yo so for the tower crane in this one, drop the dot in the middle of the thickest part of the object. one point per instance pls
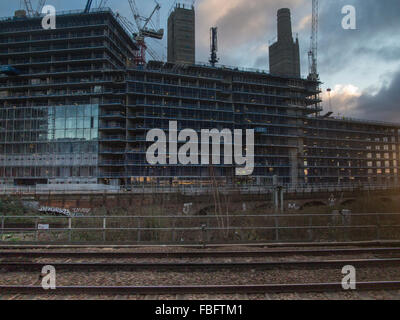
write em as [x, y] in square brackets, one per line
[143, 31]
[40, 6]
[131, 28]
[88, 6]
[102, 3]
[313, 53]
[29, 9]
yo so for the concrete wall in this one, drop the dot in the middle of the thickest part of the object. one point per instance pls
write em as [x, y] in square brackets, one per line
[284, 55]
[181, 36]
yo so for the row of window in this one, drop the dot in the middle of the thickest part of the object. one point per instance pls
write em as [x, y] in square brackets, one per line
[60, 147]
[32, 172]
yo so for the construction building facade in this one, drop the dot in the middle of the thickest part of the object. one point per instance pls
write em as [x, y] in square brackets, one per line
[75, 110]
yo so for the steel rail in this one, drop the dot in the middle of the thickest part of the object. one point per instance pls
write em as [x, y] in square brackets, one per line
[195, 254]
[200, 289]
[189, 266]
[195, 245]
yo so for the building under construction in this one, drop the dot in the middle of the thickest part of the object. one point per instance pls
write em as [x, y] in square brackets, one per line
[75, 110]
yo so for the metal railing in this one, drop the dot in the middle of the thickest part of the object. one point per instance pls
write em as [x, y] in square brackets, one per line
[193, 189]
[202, 229]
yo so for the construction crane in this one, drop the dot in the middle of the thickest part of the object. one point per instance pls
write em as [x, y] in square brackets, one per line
[144, 32]
[313, 53]
[102, 4]
[88, 6]
[132, 29]
[40, 6]
[29, 9]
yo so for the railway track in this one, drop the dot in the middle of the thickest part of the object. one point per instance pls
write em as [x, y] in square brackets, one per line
[196, 254]
[60, 245]
[199, 289]
[190, 266]
[227, 276]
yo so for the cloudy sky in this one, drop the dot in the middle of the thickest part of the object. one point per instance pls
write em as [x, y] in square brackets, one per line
[362, 66]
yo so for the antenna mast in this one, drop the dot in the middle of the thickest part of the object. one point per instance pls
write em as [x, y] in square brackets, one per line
[214, 45]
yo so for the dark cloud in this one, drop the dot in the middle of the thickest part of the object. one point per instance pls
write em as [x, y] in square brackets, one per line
[243, 27]
[349, 54]
[387, 53]
[251, 21]
[377, 28]
[385, 105]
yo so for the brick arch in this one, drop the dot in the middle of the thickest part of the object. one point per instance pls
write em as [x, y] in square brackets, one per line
[348, 201]
[205, 211]
[313, 203]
